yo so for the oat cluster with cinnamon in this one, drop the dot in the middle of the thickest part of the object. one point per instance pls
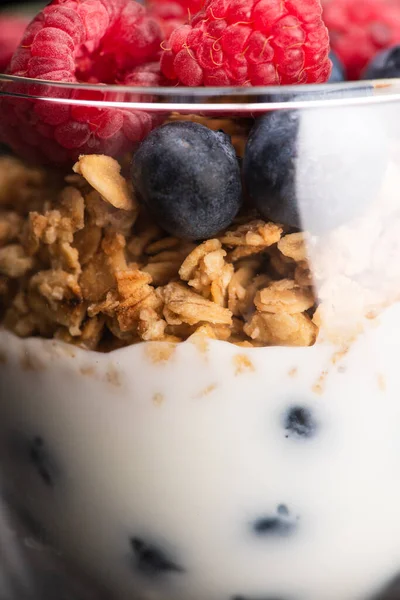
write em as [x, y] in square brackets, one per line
[82, 261]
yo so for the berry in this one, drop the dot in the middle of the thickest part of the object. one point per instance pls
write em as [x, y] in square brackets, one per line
[299, 422]
[171, 15]
[147, 75]
[384, 65]
[151, 560]
[337, 73]
[316, 169]
[11, 31]
[41, 460]
[281, 524]
[95, 41]
[250, 42]
[359, 29]
[189, 178]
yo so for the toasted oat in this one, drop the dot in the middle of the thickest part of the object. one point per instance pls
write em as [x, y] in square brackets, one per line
[294, 246]
[184, 306]
[282, 329]
[105, 215]
[190, 264]
[151, 326]
[284, 296]
[256, 233]
[55, 295]
[103, 174]
[207, 272]
[14, 262]
[162, 272]
[243, 287]
[87, 242]
[10, 227]
[136, 295]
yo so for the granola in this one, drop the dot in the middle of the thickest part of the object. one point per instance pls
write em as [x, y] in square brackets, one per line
[82, 261]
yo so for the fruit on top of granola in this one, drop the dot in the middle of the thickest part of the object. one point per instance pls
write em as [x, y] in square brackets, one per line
[95, 41]
[288, 162]
[87, 41]
[384, 65]
[359, 29]
[252, 42]
[189, 178]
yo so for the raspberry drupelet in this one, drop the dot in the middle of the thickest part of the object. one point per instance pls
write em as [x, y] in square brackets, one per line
[250, 42]
[94, 41]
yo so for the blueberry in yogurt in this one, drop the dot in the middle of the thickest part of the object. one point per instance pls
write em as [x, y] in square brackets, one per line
[42, 461]
[299, 422]
[188, 176]
[151, 560]
[279, 524]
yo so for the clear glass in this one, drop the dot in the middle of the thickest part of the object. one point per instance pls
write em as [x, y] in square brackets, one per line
[178, 453]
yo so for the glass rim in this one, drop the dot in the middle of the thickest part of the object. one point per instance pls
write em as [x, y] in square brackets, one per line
[210, 99]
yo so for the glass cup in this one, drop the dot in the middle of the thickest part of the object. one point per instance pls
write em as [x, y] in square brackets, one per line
[211, 417]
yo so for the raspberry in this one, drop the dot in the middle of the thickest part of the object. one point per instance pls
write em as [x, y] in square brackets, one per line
[171, 15]
[359, 29]
[250, 42]
[11, 31]
[95, 41]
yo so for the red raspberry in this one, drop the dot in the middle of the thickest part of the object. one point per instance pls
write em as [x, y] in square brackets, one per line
[361, 28]
[172, 14]
[169, 15]
[250, 42]
[11, 31]
[79, 41]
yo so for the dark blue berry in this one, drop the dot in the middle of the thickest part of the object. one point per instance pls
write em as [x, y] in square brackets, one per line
[281, 524]
[318, 168]
[391, 591]
[151, 560]
[337, 73]
[299, 422]
[42, 460]
[189, 178]
[385, 65]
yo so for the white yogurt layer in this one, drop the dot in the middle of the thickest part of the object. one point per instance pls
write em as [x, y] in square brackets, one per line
[175, 473]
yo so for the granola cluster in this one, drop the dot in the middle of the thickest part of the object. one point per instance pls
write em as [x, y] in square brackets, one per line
[81, 261]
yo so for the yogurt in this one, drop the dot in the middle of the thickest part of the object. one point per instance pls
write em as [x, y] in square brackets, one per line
[207, 471]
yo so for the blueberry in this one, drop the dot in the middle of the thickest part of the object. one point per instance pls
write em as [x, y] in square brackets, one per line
[42, 461]
[189, 178]
[151, 560]
[315, 168]
[385, 65]
[337, 73]
[299, 422]
[281, 524]
[391, 591]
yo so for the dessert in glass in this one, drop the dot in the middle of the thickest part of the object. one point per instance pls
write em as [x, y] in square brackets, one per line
[199, 308]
